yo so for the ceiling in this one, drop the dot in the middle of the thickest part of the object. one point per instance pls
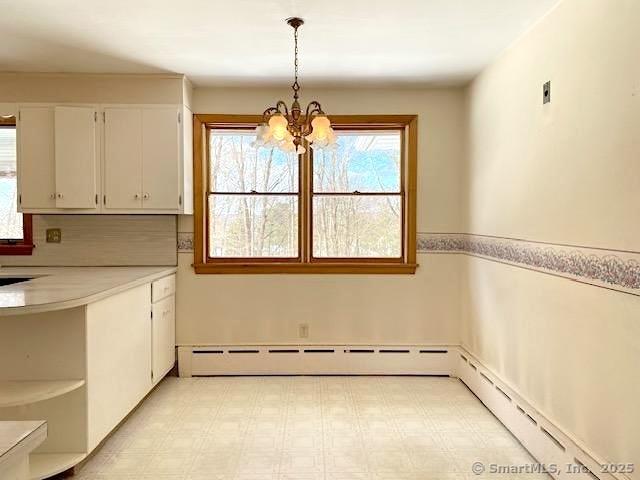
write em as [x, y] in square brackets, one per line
[246, 42]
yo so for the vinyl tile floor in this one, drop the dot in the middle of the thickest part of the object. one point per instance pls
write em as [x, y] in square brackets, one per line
[307, 428]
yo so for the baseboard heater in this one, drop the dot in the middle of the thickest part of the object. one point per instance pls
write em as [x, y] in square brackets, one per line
[316, 360]
[546, 442]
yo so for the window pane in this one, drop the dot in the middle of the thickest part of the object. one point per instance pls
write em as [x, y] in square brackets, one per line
[253, 226]
[363, 161]
[357, 226]
[238, 167]
[10, 219]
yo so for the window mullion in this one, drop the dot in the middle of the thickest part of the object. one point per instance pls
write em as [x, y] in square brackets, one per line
[306, 171]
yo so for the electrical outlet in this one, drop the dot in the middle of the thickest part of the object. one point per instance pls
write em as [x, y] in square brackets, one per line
[303, 330]
[546, 93]
[54, 235]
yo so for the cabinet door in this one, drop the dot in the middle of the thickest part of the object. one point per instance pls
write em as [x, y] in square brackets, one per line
[161, 158]
[75, 157]
[36, 167]
[118, 356]
[163, 334]
[123, 158]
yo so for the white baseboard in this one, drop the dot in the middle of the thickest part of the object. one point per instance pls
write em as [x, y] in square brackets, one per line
[546, 442]
[540, 436]
[316, 360]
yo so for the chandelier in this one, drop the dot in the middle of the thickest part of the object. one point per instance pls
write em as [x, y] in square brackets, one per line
[285, 128]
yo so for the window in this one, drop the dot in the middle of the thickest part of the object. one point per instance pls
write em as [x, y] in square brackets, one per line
[351, 210]
[253, 199]
[356, 206]
[15, 228]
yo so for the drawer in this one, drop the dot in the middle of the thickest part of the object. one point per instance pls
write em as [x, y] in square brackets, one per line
[163, 288]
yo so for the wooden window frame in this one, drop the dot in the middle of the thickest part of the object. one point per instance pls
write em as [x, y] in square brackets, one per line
[25, 245]
[305, 263]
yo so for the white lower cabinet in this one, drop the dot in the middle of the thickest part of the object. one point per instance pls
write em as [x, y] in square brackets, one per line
[84, 369]
[163, 326]
[118, 359]
[163, 334]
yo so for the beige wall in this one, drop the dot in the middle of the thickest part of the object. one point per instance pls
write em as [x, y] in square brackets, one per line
[567, 172]
[418, 309]
[88, 88]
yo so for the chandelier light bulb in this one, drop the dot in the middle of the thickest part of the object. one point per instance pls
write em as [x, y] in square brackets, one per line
[321, 127]
[278, 126]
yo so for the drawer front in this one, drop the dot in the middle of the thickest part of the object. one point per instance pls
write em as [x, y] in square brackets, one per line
[163, 288]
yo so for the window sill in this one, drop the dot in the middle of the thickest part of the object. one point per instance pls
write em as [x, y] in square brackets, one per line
[307, 268]
[16, 249]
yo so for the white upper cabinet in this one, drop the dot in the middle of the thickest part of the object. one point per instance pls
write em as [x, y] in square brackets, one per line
[36, 164]
[144, 161]
[75, 157]
[105, 159]
[57, 159]
[122, 158]
[161, 167]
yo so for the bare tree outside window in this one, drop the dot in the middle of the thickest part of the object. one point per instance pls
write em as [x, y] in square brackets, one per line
[253, 200]
[357, 197]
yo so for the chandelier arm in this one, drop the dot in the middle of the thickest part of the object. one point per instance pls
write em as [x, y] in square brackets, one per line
[313, 108]
[282, 108]
[268, 113]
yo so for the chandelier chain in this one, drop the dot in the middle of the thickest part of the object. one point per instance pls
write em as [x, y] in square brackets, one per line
[296, 85]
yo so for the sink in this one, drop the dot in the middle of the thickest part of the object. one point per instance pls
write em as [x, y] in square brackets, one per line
[4, 281]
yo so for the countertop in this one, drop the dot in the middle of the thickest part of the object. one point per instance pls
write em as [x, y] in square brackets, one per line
[20, 438]
[57, 288]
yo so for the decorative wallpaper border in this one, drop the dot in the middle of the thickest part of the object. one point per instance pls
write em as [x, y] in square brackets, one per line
[613, 269]
[185, 242]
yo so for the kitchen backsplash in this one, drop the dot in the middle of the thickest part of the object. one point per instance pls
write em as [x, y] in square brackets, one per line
[102, 240]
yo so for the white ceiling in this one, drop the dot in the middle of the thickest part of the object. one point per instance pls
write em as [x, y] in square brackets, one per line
[246, 42]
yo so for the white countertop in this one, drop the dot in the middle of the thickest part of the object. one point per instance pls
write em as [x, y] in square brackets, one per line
[20, 438]
[57, 288]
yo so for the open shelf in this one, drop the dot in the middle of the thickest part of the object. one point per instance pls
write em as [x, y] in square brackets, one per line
[44, 465]
[23, 392]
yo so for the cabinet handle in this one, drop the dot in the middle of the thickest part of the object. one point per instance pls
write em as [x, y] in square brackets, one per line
[137, 196]
[52, 196]
[146, 196]
[60, 195]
